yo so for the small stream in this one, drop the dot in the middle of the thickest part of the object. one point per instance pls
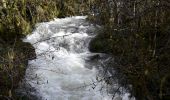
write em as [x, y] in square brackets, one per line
[64, 68]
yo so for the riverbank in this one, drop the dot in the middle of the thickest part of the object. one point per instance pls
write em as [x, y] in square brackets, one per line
[139, 44]
[14, 59]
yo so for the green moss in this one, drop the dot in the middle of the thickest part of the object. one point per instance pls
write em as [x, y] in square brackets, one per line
[19, 16]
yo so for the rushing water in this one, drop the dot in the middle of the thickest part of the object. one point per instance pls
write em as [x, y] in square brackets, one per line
[62, 69]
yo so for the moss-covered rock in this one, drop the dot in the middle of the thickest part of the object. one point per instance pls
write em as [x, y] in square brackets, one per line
[100, 45]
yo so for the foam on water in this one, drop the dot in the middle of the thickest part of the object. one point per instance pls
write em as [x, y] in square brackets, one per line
[59, 72]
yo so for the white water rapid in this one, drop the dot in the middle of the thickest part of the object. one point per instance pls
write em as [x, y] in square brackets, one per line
[60, 71]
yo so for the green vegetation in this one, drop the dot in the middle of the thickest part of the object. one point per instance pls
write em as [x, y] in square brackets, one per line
[137, 34]
[18, 17]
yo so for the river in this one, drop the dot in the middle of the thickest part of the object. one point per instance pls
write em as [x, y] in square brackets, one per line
[64, 68]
